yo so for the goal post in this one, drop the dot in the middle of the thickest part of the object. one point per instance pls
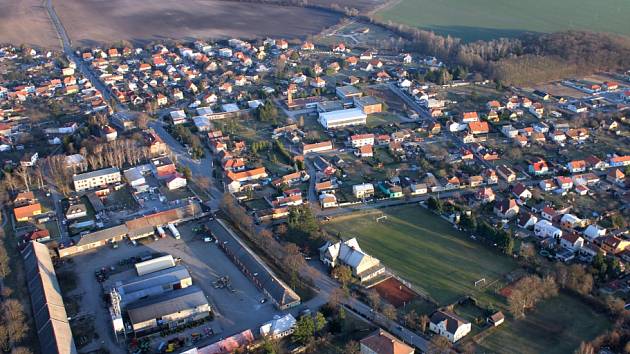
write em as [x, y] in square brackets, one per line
[480, 282]
[379, 218]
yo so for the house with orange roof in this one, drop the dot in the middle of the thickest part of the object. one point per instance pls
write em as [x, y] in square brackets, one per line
[576, 166]
[468, 117]
[249, 175]
[317, 147]
[618, 161]
[364, 151]
[27, 212]
[616, 176]
[381, 342]
[478, 127]
[539, 167]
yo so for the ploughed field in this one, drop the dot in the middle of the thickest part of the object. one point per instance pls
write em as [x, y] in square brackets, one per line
[97, 21]
[26, 22]
[488, 19]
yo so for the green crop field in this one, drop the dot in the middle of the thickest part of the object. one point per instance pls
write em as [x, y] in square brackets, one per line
[556, 326]
[488, 19]
[426, 251]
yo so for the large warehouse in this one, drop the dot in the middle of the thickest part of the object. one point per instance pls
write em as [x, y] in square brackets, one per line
[342, 118]
[171, 309]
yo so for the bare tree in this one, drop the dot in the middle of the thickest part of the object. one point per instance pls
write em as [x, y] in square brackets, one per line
[585, 348]
[439, 345]
[389, 311]
[374, 299]
[424, 322]
[25, 175]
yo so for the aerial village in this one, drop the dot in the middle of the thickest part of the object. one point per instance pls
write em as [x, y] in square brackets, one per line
[198, 198]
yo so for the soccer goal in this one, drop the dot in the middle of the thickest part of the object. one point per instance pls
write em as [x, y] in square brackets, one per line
[480, 282]
[381, 218]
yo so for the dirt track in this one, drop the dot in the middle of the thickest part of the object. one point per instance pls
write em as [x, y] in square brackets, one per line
[90, 21]
[26, 22]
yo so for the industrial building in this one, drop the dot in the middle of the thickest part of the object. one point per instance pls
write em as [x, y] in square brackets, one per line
[49, 312]
[154, 265]
[169, 310]
[154, 284]
[342, 118]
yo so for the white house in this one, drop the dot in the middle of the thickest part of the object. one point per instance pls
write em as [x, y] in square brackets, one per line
[594, 231]
[572, 242]
[571, 221]
[365, 190]
[176, 182]
[279, 327]
[364, 266]
[545, 229]
[449, 325]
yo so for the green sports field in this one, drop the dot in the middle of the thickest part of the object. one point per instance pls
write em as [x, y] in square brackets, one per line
[487, 19]
[426, 250]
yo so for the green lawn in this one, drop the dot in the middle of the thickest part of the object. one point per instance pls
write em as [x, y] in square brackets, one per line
[427, 251]
[557, 325]
[488, 19]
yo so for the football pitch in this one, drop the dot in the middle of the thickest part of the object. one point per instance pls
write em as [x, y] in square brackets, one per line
[488, 19]
[427, 251]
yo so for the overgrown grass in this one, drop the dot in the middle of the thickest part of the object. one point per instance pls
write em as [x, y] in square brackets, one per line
[557, 325]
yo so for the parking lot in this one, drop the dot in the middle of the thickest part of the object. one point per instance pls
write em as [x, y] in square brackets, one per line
[236, 307]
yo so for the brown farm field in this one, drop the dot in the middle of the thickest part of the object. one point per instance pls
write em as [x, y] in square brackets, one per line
[103, 21]
[26, 22]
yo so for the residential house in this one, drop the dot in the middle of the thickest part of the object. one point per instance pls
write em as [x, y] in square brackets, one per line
[612, 244]
[418, 188]
[616, 176]
[576, 166]
[549, 213]
[594, 231]
[365, 151]
[506, 208]
[381, 342]
[490, 176]
[76, 211]
[521, 192]
[359, 140]
[564, 182]
[279, 327]
[327, 200]
[449, 325]
[317, 147]
[570, 221]
[485, 195]
[361, 191]
[506, 173]
[539, 167]
[478, 127]
[545, 229]
[27, 212]
[469, 117]
[547, 185]
[391, 190]
[572, 241]
[526, 220]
